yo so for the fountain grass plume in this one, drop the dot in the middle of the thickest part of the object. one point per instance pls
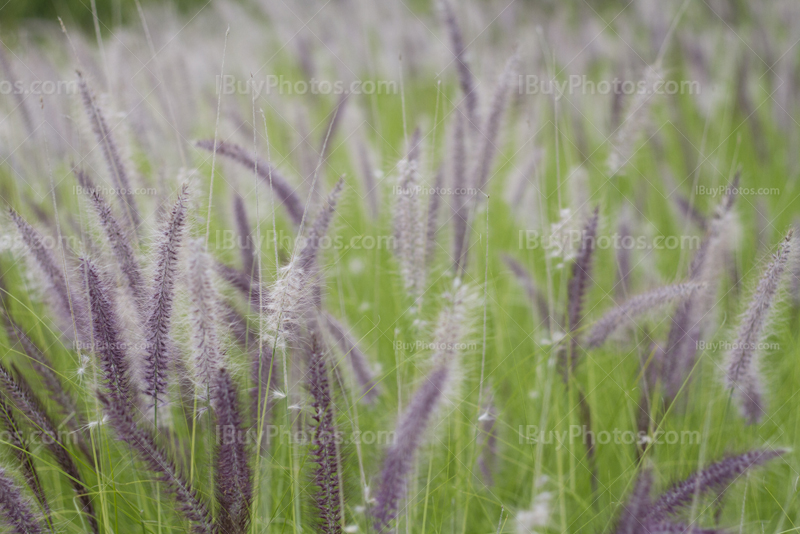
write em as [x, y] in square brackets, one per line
[296, 289]
[634, 509]
[632, 309]
[461, 200]
[17, 392]
[465, 77]
[323, 445]
[65, 303]
[578, 286]
[245, 238]
[143, 442]
[358, 360]
[285, 192]
[15, 509]
[742, 369]
[23, 455]
[233, 478]
[108, 345]
[409, 433]
[714, 478]
[409, 225]
[686, 329]
[206, 350]
[159, 316]
[494, 120]
[453, 324]
[449, 335]
[116, 169]
[42, 364]
[307, 257]
[292, 297]
[117, 238]
[434, 204]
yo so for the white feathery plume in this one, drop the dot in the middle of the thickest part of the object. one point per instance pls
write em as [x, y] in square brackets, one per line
[409, 223]
[742, 375]
[205, 340]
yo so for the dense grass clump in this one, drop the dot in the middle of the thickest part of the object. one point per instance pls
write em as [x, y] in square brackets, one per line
[387, 267]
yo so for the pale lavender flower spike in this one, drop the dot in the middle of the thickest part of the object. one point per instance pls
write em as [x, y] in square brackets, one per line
[67, 303]
[630, 310]
[408, 437]
[493, 123]
[641, 515]
[578, 286]
[307, 258]
[409, 226]
[461, 200]
[465, 77]
[116, 169]
[117, 238]
[743, 376]
[715, 477]
[433, 218]
[204, 317]
[450, 332]
[678, 357]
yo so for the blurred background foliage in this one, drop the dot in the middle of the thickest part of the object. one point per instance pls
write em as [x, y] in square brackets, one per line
[78, 13]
